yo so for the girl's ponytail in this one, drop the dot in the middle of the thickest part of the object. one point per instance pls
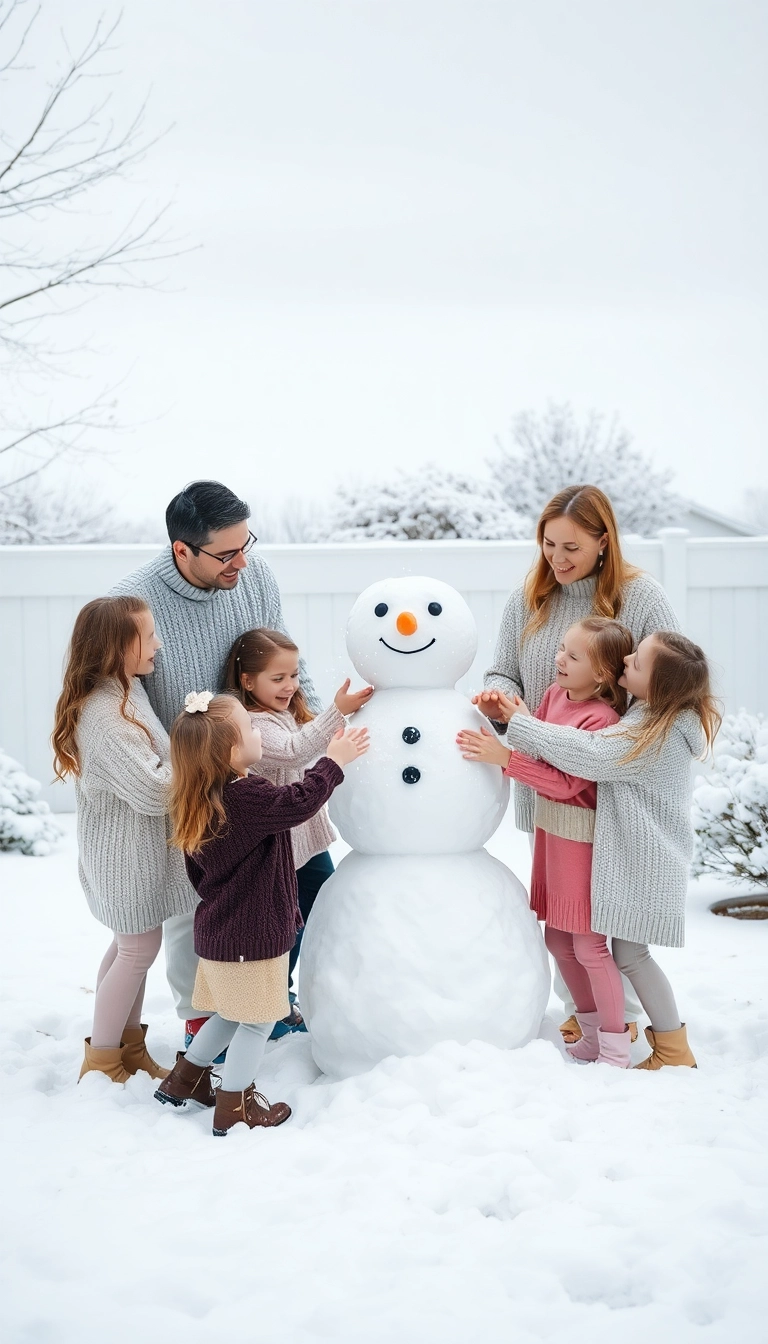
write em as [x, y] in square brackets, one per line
[679, 680]
[201, 764]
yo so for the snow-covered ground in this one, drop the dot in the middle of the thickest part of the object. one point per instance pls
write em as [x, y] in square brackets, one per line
[468, 1194]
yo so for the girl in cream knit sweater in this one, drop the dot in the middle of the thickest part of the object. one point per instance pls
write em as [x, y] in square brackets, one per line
[263, 671]
[108, 737]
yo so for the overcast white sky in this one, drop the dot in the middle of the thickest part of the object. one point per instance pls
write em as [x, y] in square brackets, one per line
[418, 217]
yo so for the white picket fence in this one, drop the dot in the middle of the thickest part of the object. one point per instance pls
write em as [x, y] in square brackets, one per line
[718, 585]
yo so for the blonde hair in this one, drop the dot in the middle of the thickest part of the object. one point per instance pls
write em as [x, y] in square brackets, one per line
[608, 644]
[201, 764]
[592, 510]
[679, 680]
[103, 633]
[251, 654]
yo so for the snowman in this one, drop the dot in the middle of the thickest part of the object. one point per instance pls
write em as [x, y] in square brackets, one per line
[420, 936]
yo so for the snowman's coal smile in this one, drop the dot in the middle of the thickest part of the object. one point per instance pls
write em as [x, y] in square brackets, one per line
[394, 650]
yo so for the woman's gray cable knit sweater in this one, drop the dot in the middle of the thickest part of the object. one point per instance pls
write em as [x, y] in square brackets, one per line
[527, 667]
[643, 834]
[131, 878]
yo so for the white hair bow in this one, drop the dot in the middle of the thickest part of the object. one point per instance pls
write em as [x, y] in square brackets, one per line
[197, 702]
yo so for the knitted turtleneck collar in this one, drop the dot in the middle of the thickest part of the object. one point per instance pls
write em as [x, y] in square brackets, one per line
[579, 589]
[166, 568]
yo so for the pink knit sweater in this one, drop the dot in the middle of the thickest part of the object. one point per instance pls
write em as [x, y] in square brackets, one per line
[288, 750]
[564, 818]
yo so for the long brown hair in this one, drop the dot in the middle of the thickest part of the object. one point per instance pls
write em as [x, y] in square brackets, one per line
[679, 680]
[201, 764]
[104, 631]
[589, 508]
[251, 654]
[608, 644]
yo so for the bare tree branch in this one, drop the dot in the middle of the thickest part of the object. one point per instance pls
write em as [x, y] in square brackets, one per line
[71, 147]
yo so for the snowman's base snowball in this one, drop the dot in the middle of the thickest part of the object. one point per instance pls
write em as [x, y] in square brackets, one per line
[402, 952]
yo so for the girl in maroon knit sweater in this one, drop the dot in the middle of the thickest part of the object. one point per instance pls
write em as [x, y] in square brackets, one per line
[235, 831]
[585, 695]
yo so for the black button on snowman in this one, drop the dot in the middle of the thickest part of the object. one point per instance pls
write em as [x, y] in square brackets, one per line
[411, 773]
[418, 907]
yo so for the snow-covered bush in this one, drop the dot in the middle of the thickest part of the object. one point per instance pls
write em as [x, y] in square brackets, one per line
[26, 824]
[730, 805]
[425, 505]
[548, 453]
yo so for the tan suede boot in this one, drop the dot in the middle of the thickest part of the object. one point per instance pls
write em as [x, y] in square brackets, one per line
[248, 1107]
[104, 1061]
[668, 1047]
[570, 1030]
[136, 1055]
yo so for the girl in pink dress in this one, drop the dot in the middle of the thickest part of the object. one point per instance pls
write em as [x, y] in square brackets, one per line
[586, 695]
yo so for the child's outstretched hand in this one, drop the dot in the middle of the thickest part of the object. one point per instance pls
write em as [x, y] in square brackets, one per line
[496, 705]
[519, 707]
[347, 746]
[348, 702]
[483, 746]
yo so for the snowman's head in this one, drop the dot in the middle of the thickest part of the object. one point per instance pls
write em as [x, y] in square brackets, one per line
[411, 632]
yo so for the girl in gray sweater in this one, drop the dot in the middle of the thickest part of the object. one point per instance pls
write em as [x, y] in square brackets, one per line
[107, 736]
[643, 835]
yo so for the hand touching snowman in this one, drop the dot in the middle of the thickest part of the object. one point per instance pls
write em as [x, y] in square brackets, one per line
[486, 746]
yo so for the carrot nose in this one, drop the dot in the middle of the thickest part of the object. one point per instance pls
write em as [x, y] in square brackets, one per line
[407, 623]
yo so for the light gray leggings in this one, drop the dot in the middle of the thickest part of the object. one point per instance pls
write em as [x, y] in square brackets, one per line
[245, 1043]
[649, 983]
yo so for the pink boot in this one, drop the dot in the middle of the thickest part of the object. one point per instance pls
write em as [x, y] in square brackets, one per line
[587, 1049]
[614, 1048]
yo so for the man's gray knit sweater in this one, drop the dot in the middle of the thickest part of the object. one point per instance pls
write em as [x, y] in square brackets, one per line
[643, 834]
[198, 627]
[526, 666]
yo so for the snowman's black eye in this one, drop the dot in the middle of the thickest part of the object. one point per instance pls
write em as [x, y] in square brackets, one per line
[434, 608]
[381, 609]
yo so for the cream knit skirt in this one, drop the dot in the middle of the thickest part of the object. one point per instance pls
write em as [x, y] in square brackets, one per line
[243, 991]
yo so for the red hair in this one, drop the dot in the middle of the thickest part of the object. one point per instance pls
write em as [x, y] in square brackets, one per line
[590, 509]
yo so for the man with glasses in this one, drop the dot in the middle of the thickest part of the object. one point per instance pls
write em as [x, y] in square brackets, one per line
[204, 590]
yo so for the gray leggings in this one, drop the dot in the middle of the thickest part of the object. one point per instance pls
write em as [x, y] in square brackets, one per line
[245, 1043]
[649, 983]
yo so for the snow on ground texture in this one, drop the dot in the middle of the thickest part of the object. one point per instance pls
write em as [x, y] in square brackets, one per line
[466, 1195]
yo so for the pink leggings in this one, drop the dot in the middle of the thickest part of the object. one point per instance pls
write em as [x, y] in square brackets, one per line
[120, 985]
[592, 976]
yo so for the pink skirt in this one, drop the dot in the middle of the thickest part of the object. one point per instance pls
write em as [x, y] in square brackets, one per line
[561, 880]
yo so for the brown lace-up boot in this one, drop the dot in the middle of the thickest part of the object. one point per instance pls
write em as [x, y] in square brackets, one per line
[187, 1082]
[249, 1108]
[136, 1055]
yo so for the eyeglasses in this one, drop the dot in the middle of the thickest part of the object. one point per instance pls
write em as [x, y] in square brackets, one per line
[228, 556]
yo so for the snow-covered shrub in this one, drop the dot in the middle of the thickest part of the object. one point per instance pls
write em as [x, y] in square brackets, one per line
[730, 805]
[425, 505]
[25, 823]
[548, 453]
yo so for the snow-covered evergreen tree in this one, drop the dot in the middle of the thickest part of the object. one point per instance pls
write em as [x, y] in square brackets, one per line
[26, 823]
[425, 505]
[730, 806]
[548, 453]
